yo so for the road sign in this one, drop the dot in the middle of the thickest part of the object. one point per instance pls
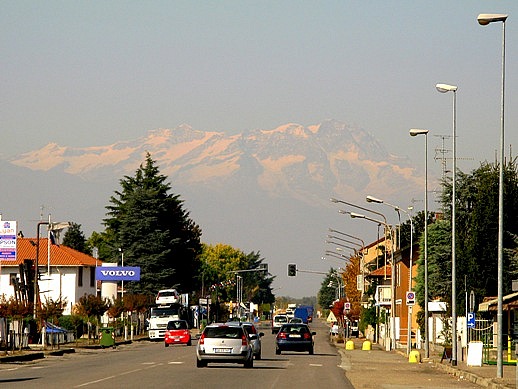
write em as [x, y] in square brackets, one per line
[410, 298]
[471, 319]
[347, 306]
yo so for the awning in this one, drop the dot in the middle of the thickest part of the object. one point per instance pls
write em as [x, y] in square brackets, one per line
[511, 300]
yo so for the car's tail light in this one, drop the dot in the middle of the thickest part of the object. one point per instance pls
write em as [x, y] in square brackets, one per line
[281, 335]
[244, 341]
[202, 339]
[307, 335]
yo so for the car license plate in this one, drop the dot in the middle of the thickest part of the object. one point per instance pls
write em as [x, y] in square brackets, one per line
[176, 337]
[295, 336]
[223, 350]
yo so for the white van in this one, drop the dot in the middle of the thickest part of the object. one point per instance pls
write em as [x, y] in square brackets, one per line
[167, 296]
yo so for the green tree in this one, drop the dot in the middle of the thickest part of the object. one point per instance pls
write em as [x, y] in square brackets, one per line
[75, 238]
[91, 307]
[217, 272]
[154, 232]
[326, 294]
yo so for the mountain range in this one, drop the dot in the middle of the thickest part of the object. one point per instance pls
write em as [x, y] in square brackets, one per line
[265, 190]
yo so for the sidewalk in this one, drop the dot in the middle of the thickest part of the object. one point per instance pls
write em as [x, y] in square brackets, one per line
[363, 370]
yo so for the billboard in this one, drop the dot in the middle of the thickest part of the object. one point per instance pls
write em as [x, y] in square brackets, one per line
[127, 273]
[8, 240]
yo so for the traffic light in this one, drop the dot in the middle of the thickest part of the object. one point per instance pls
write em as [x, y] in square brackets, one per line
[292, 269]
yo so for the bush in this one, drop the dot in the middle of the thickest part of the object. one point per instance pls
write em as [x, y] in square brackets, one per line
[72, 323]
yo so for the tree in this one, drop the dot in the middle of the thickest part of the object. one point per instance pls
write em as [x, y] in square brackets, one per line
[154, 232]
[326, 294]
[74, 238]
[91, 307]
[218, 266]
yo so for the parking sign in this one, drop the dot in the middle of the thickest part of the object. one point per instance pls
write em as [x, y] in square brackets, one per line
[471, 319]
[410, 298]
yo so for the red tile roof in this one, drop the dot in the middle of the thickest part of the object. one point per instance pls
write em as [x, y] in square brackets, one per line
[381, 271]
[59, 255]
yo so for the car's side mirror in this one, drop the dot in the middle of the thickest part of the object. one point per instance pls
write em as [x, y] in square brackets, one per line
[313, 333]
[252, 336]
[261, 333]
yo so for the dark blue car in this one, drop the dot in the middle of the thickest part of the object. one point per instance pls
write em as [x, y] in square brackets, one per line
[294, 337]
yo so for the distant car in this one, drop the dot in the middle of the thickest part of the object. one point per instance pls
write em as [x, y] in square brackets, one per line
[277, 322]
[296, 320]
[255, 340]
[167, 296]
[354, 328]
[177, 332]
[294, 337]
[225, 343]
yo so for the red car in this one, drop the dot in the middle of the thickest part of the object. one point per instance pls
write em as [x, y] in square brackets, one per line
[177, 333]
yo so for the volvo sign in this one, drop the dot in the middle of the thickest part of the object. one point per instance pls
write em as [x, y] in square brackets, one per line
[105, 273]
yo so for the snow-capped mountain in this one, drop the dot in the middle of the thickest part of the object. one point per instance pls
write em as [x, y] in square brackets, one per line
[266, 190]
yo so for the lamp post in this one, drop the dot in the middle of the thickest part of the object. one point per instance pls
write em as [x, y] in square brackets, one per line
[372, 199]
[392, 276]
[485, 19]
[416, 132]
[445, 88]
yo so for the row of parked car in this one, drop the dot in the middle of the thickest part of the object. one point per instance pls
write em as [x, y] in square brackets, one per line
[238, 342]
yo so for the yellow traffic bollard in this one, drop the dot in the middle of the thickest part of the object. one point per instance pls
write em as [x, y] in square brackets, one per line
[366, 345]
[349, 345]
[414, 357]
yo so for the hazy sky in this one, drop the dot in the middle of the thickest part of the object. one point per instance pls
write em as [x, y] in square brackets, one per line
[86, 73]
[83, 73]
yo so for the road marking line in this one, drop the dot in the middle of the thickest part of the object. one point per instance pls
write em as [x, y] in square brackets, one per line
[175, 363]
[316, 364]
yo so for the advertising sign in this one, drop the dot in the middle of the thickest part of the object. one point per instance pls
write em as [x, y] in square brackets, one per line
[8, 240]
[127, 273]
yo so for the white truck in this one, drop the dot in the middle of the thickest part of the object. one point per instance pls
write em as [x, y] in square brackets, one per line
[161, 315]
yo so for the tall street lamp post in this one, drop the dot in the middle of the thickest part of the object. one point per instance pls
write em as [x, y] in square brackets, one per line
[392, 276]
[372, 199]
[445, 88]
[416, 132]
[485, 19]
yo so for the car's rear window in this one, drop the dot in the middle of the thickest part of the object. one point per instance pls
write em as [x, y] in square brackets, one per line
[223, 332]
[177, 325]
[295, 329]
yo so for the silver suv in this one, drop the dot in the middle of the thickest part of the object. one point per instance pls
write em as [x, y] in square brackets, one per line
[225, 343]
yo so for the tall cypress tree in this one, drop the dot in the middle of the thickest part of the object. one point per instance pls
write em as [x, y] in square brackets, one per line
[154, 232]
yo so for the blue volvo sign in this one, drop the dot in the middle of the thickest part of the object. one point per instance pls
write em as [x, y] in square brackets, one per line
[105, 273]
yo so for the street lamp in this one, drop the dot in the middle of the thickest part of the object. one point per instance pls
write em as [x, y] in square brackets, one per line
[416, 132]
[372, 199]
[485, 19]
[445, 88]
[392, 276]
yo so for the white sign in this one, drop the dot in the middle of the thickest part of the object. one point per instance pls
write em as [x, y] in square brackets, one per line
[347, 306]
[8, 240]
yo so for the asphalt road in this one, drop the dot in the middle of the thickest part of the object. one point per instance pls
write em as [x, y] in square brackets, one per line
[151, 365]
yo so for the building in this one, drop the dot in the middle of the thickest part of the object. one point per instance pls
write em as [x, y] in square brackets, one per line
[64, 273]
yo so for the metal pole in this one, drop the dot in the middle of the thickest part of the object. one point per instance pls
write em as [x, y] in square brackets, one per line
[409, 308]
[500, 327]
[453, 251]
[427, 332]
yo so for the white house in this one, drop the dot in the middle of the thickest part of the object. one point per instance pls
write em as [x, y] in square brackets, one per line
[64, 272]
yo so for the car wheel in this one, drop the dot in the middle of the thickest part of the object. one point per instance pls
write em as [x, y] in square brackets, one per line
[311, 351]
[189, 343]
[166, 344]
[278, 351]
[201, 363]
[258, 356]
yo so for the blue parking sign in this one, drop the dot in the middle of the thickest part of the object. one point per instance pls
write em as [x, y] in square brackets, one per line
[471, 319]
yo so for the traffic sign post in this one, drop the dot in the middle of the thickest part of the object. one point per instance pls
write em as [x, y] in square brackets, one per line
[410, 298]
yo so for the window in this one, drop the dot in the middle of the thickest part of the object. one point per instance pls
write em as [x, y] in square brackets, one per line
[79, 276]
[92, 276]
[12, 278]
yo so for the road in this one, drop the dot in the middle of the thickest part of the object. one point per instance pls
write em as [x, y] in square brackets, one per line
[148, 364]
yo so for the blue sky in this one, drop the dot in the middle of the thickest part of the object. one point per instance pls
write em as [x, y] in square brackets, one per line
[83, 73]
[86, 73]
